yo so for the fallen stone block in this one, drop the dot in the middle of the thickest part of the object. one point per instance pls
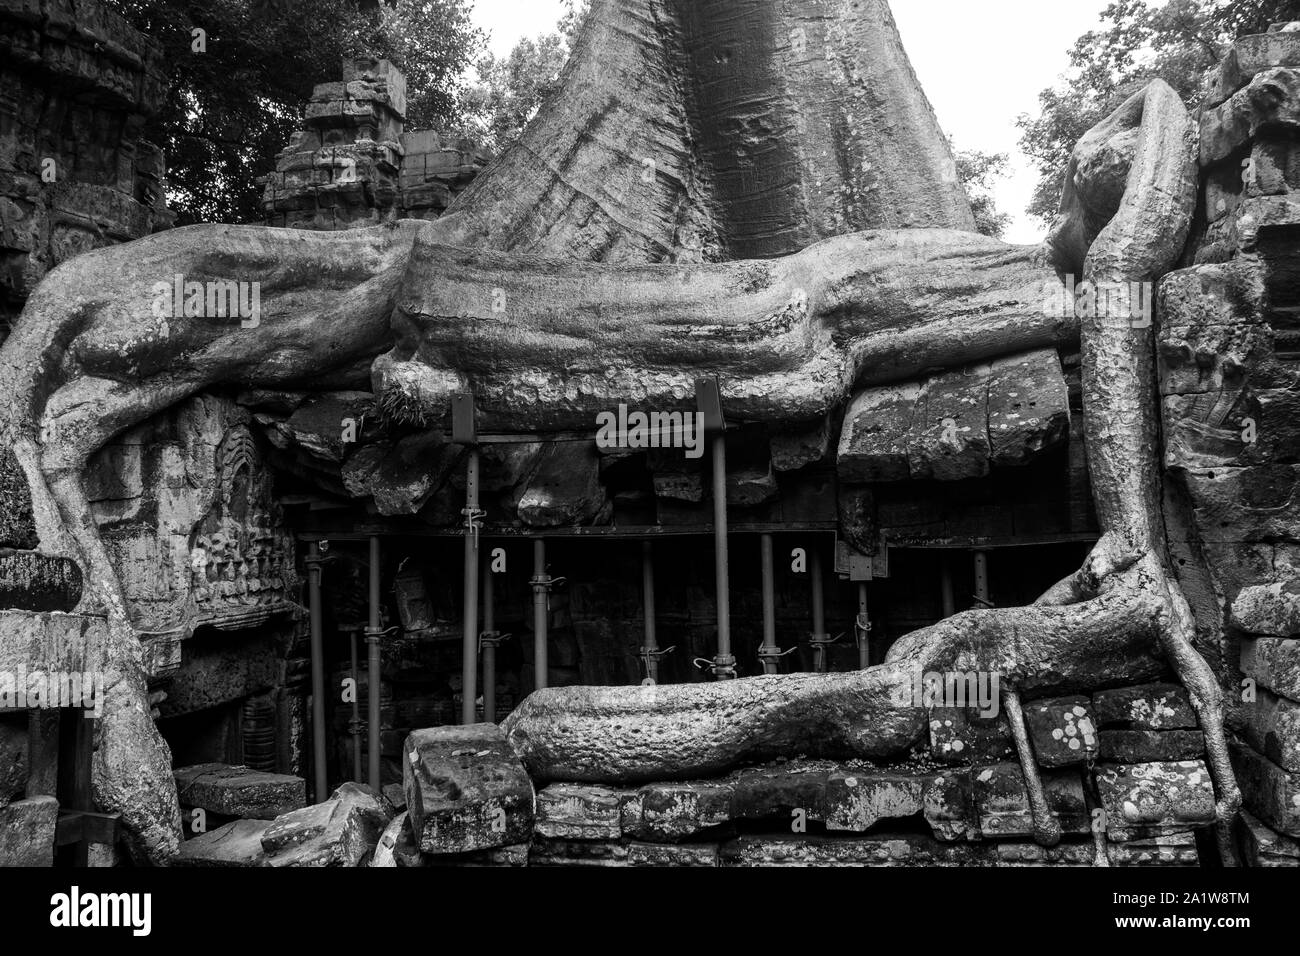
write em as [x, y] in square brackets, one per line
[672, 854]
[1003, 803]
[236, 844]
[466, 790]
[1154, 799]
[27, 832]
[1273, 728]
[1268, 791]
[1147, 707]
[397, 845]
[1149, 746]
[1270, 610]
[239, 792]
[571, 811]
[342, 831]
[1273, 663]
[1062, 731]
[857, 800]
[675, 811]
[1264, 846]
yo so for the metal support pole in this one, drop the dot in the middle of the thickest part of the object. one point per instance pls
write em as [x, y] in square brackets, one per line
[724, 663]
[982, 578]
[489, 643]
[945, 570]
[374, 678]
[768, 653]
[469, 604]
[313, 562]
[354, 725]
[820, 639]
[650, 649]
[541, 612]
[863, 628]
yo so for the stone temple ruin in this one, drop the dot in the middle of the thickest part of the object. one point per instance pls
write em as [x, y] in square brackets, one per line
[689, 485]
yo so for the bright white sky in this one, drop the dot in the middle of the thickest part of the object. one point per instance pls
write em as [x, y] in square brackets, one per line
[980, 63]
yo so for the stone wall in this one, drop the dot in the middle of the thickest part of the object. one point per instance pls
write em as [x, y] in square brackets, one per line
[353, 165]
[1230, 389]
[79, 83]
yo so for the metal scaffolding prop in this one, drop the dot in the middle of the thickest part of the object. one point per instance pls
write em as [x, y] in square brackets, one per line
[651, 654]
[708, 398]
[488, 642]
[374, 667]
[464, 432]
[314, 561]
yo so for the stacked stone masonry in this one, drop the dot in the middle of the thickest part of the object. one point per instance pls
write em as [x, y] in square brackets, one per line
[1230, 387]
[353, 165]
[75, 175]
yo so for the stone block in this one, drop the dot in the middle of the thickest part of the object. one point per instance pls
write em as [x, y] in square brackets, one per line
[239, 792]
[27, 832]
[856, 800]
[342, 831]
[583, 853]
[1273, 663]
[1003, 803]
[1061, 730]
[958, 735]
[466, 790]
[675, 811]
[1249, 56]
[874, 440]
[1148, 746]
[672, 854]
[1264, 846]
[1270, 610]
[1273, 728]
[1151, 799]
[777, 792]
[1268, 791]
[893, 850]
[1144, 707]
[571, 811]
[237, 844]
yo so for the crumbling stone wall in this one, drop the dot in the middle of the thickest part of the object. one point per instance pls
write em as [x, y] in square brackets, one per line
[353, 165]
[79, 84]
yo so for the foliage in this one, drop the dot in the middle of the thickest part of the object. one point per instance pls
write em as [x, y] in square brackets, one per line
[1179, 41]
[233, 105]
